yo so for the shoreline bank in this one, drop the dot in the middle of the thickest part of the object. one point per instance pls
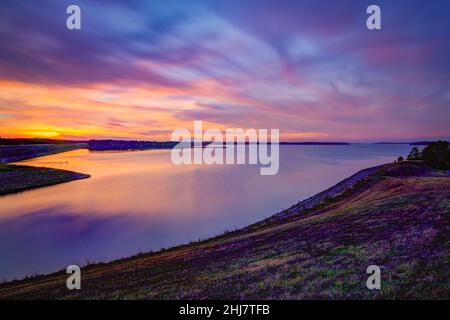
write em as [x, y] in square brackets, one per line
[19, 178]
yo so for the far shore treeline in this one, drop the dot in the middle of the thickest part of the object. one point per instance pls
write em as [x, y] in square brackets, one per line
[29, 141]
[102, 143]
[17, 149]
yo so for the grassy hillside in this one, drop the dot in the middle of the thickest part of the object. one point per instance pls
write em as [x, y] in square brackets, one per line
[397, 217]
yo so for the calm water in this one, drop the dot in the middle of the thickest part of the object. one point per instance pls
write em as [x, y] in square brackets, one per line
[140, 201]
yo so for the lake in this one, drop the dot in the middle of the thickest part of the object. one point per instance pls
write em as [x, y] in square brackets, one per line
[139, 201]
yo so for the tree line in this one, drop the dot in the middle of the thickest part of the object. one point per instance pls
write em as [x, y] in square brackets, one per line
[436, 155]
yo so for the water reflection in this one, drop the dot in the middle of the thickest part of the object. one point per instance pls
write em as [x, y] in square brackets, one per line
[140, 201]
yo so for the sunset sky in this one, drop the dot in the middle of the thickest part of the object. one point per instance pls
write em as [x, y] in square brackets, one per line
[140, 69]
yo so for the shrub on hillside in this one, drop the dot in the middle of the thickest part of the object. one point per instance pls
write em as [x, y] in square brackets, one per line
[437, 155]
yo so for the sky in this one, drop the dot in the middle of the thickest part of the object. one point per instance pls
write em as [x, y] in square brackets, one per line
[140, 69]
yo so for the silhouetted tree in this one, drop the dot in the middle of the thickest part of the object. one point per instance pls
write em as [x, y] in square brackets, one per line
[400, 159]
[415, 154]
[437, 155]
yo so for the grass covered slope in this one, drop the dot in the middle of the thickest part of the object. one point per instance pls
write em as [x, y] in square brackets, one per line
[396, 218]
[15, 178]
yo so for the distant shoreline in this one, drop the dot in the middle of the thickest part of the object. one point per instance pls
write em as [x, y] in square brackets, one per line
[14, 150]
[15, 153]
[17, 149]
